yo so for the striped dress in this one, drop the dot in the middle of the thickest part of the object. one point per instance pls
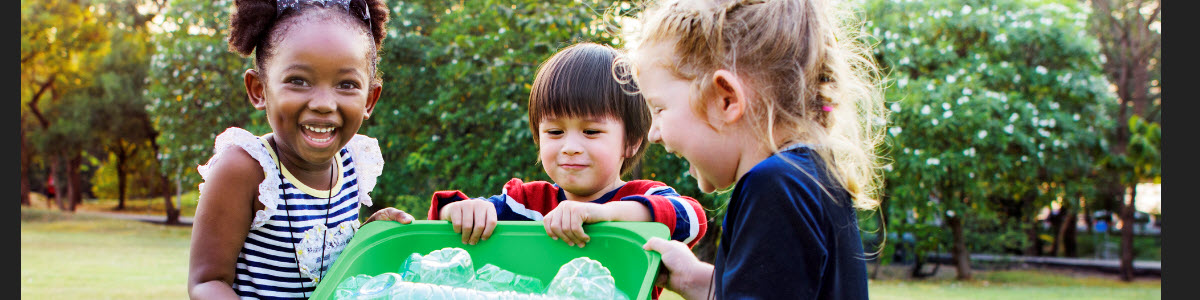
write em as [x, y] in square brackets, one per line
[298, 221]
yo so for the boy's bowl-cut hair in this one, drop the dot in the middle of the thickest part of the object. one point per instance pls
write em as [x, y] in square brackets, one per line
[578, 82]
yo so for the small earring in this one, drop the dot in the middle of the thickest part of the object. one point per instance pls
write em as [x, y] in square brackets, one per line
[366, 116]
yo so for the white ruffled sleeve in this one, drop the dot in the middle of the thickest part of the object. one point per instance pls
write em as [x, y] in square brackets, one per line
[369, 163]
[268, 190]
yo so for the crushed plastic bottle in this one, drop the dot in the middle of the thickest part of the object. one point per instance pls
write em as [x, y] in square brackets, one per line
[447, 266]
[349, 288]
[584, 278]
[449, 274]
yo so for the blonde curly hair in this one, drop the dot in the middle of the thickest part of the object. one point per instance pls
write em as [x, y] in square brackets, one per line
[815, 81]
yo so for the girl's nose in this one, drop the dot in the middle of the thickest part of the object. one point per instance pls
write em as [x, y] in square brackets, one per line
[323, 101]
[654, 135]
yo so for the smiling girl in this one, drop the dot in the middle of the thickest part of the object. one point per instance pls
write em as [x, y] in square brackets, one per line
[276, 210]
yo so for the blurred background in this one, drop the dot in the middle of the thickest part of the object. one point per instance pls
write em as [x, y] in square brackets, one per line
[1022, 148]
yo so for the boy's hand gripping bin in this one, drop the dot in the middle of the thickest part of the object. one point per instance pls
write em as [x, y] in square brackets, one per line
[518, 246]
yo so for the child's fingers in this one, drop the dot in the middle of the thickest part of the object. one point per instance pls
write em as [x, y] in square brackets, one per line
[468, 225]
[557, 229]
[480, 224]
[456, 219]
[576, 228]
[490, 224]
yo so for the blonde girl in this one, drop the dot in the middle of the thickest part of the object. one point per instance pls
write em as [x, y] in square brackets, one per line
[774, 100]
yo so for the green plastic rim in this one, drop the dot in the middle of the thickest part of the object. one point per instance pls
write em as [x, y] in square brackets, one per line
[518, 246]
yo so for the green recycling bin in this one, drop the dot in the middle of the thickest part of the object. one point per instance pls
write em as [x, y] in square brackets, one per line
[518, 246]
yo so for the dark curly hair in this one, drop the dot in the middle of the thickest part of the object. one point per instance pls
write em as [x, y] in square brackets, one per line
[255, 27]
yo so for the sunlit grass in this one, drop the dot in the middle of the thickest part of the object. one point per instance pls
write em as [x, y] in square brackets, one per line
[66, 256]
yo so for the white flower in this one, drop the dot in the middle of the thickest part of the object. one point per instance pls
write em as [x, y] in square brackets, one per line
[947, 114]
[904, 61]
[1016, 78]
[1014, 117]
[982, 134]
[925, 110]
[962, 100]
[933, 161]
[1040, 70]
[895, 131]
[951, 78]
[902, 82]
[1002, 38]
[896, 106]
[1076, 117]
[967, 91]
[1008, 129]
[935, 122]
[966, 9]
[917, 152]
[945, 105]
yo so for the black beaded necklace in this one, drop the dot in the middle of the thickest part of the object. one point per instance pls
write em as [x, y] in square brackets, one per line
[292, 234]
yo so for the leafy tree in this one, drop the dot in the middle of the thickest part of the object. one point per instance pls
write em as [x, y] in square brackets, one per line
[60, 41]
[119, 120]
[1130, 39]
[195, 89]
[457, 79]
[997, 108]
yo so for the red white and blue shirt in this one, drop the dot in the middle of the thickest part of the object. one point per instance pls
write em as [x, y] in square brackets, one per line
[530, 201]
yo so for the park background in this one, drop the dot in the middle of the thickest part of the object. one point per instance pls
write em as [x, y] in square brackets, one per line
[1021, 157]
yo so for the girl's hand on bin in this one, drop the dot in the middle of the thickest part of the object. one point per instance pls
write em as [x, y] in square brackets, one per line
[566, 221]
[390, 214]
[685, 273]
[475, 219]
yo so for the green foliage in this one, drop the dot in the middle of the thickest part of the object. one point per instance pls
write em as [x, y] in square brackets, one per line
[195, 88]
[999, 107]
[457, 75]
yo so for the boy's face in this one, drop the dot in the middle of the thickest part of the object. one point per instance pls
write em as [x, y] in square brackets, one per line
[317, 89]
[582, 155]
[677, 126]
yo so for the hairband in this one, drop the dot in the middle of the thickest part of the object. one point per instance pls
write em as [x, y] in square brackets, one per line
[361, 9]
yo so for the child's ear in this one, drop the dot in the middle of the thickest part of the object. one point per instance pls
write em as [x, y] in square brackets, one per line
[730, 95]
[255, 89]
[372, 98]
[630, 150]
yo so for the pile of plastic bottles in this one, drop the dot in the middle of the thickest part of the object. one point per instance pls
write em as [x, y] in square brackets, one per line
[449, 274]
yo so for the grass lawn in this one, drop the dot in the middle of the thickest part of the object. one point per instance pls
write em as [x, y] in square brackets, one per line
[66, 256]
[78, 257]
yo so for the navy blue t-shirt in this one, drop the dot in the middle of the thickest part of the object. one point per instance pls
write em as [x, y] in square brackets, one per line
[784, 238]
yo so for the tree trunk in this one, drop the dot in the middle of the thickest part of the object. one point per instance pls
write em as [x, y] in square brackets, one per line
[1070, 238]
[59, 184]
[172, 212]
[120, 175]
[74, 182]
[962, 257]
[1127, 235]
[1064, 221]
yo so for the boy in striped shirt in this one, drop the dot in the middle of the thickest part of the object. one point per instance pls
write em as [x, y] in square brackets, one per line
[589, 132]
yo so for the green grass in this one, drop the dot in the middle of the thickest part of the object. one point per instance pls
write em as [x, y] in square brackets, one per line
[67, 256]
[1012, 284]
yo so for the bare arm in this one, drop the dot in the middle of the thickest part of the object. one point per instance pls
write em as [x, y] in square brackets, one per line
[225, 210]
[684, 274]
